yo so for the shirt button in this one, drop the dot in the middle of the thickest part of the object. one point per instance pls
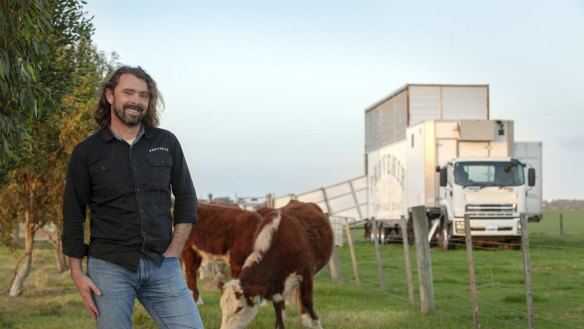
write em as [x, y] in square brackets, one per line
[141, 210]
[138, 189]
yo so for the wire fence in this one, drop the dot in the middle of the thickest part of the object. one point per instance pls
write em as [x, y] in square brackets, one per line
[534, 285]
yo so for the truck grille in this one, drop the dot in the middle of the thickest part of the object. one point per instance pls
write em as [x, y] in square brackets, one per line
[490, 211]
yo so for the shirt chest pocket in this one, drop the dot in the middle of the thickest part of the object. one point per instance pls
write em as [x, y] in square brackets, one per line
[159, 168]
[104, 173]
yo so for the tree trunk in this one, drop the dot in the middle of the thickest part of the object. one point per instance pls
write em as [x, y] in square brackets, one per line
[15, 236]
[24, 265]
[58, 246]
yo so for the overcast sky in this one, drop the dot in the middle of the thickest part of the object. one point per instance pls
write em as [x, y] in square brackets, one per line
[269, 96]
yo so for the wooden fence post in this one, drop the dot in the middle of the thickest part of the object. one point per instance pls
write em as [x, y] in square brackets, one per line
[561, 224]
[334, 265]
[527, 270]
[352, 250]
[270, 200]
[471, 273]
[405, 240]
[378, 254]
[424, 260]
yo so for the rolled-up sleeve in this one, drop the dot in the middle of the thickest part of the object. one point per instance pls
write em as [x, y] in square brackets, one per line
[76, 196]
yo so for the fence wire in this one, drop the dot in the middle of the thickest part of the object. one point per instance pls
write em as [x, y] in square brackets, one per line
[557, 275]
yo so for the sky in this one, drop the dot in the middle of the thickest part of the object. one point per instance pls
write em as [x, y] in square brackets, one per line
[269, 96]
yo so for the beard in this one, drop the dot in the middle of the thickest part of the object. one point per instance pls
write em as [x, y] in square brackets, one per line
[131, 115]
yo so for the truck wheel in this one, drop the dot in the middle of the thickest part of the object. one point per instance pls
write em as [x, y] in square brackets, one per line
[444, 238]
[410, 231]
[379, 234]
[382, 236]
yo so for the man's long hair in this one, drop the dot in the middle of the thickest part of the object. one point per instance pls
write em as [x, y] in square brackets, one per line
[102, 112]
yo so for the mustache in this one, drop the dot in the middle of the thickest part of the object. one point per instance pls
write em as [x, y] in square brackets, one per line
[135, 107]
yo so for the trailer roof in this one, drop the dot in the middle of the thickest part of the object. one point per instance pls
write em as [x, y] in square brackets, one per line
[409, 85]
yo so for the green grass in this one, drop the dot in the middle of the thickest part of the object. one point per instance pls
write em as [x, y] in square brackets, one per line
[50, 300]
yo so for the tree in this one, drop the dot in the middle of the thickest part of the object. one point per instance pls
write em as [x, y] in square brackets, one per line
[36, 176]
[24, 26]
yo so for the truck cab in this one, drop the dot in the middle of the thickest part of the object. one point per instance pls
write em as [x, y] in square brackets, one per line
[492, 191]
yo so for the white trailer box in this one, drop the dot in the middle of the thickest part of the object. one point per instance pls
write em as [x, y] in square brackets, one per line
[418, 139]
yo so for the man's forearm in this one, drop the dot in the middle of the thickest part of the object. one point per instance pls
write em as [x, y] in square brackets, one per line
[179, 237]
[75, 266]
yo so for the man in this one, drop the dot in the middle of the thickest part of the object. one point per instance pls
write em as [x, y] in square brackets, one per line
[125, 174]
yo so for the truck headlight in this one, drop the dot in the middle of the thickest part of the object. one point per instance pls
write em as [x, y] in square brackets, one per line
[519, 228]
[459, 226]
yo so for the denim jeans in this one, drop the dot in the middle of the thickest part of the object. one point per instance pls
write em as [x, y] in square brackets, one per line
[161, 290]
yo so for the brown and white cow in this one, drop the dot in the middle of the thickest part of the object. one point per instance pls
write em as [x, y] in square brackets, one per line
[223, 232]
[291, 245]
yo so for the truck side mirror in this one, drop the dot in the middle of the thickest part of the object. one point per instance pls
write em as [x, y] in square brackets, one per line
[443, 177]
[531, 177]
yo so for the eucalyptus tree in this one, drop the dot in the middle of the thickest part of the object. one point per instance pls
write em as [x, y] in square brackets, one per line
[57, 70]
[24, 27]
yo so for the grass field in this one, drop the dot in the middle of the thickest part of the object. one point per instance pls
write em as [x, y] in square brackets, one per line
[51, 301]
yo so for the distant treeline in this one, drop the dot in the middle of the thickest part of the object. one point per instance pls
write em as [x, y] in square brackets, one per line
[565, 205]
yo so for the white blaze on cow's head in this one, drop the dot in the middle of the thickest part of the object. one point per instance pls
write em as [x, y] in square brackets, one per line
[237, 309]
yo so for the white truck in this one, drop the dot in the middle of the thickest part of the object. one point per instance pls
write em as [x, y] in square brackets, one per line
[435, 146]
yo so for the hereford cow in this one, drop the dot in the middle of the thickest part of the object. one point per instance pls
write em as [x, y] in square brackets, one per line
[291, 245]
[222, 232]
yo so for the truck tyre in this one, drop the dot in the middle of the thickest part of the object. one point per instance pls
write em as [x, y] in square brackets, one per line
[445, 237]
[378, 233]
[410, 230]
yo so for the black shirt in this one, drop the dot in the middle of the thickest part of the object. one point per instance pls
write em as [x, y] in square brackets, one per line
[128, 191]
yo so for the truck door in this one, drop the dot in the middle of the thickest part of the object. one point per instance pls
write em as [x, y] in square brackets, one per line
[447, 150]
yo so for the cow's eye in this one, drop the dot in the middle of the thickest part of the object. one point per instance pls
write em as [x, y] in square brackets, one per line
[238, 309]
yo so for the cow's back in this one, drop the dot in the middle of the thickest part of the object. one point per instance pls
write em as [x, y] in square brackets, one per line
[319, 234]
[222, 227]
[280, 248]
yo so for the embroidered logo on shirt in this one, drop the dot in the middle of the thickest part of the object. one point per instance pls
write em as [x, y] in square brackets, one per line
[158, 149]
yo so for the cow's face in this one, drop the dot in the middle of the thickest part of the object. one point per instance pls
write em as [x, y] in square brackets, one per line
[237, 310]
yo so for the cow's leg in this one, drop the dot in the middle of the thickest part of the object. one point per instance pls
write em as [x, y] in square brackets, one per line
[284, 315]
[192, 261]
[305, 318]
[278, 310]
[308, 314]
[234, 268]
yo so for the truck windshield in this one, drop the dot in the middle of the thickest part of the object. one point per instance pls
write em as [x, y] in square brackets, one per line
[508, 173]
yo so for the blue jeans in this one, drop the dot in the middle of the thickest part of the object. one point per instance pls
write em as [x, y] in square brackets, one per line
[161, 290]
